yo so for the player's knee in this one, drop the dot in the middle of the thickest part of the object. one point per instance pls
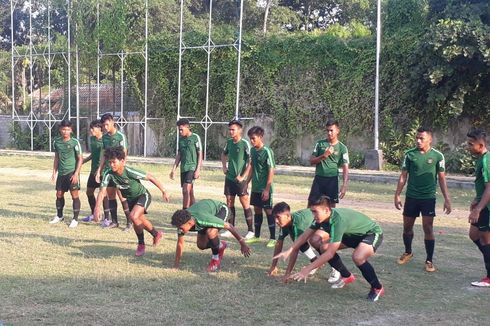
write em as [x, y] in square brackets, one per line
[316, 241]
[428, 229]
[358, 258]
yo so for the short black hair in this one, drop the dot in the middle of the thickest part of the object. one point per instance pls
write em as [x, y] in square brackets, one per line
[65, 123]
[96, 124]
[321, 201]
[280, 208]
[105, 117]
[183, 122]
[425, 129]
[477, 134]
[256, 130]
[180, 217]
[332, 122]
[116, 152]
[235, 122]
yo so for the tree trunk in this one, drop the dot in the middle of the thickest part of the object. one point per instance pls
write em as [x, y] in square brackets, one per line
[266, 15]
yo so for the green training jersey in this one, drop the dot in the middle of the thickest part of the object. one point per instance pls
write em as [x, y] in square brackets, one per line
[422, 172]
[262, 163]
[329, 167]
[96, 146]
[204, 214]
[238, 156]
[68, 153]
[128, 183]
[482, 175]
[347, 222]
[301, 220]
[189, 149]
[118, 139]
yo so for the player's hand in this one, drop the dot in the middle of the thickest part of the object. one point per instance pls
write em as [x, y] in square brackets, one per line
[225, 170]
[172, 174]
[239, 179]
[301, 276]
[74, 179]
[284, 255]
[342, 192]
[272, 271]
[96, 215]
[447, 206]
[474, 215]
[328, 151]
[197, 174]
[398, 202]
[97, 177]
[245, 249]
[166, 196]
[265, 195]
[473, 204]
[53, 176]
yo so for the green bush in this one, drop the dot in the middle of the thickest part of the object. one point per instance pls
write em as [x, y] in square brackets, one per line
[356, 159]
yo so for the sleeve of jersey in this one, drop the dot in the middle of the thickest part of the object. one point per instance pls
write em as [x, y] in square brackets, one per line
[136, 174]
[406, 163]
[78, 148]
[105, 180]
[486, 169]
[225, 149]
[124, 141]
[315, 150]
[247, 151]
[198, 143]
[270, 159]
[345, 155]
[337, 232]
[441, 165]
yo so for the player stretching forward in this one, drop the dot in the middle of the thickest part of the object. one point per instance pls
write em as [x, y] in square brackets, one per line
[68, 161]
[190, 158]
[422, 165]
[235, 160]
[262, 169]
[95, 150]
[479, 215]
[293, 225]
[128, 181]
[348, 229]
[208, 217]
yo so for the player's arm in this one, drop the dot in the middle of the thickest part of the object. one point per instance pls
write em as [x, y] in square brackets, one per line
[224, 162]
[292, 261]
[270, 177]
[200, 155]
[445, 192]
[55, 166]
[315, 158]
[399, 188]
[243, 246]
[485, 199]
[174, 167]
[277, 250]
[88, 158]
[296, 244]
[345, 180]
[76, 174]
[100, 197]
[324, 258]
[159, 185]
[179, 249]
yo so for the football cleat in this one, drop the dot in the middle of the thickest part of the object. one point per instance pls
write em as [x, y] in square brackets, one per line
[140, 250]
[405, 258]
[344, 281]
[375, 294]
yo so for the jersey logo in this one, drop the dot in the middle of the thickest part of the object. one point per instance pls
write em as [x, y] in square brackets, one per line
[123, 187]
[430, 161]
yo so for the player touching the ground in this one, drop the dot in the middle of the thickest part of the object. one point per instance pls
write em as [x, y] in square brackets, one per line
[128, 180]
[348, 229]
[293, 225]
[95, 150]
[479, 209]
[67, 164]
[208, 217]
[262, 170]
[422, 166]
[189, 156]
[112, 138]
[235, 160]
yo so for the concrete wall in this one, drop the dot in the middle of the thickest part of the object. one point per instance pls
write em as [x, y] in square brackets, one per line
[5, 123]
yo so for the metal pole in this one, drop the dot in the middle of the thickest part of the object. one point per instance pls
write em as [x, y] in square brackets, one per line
[98, 63]
[239, 62]
[146, 80]
[31, 126]
[180, 70]
[208, 77]
[77, 93]
[49, 75]
[69, 59]
[376, 91]
[12, 45]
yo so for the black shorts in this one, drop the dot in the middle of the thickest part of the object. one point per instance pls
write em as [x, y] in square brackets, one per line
[256, 200]
[91, 183]
[373, 239]
[483, 223]
[415, 207]
[223, 213]
[186, 177]
[321, 186]
[235, 188]
[143, 201]
[63, 183]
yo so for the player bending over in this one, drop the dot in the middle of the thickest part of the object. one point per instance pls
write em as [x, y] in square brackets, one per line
[208, 217]
[127, 180]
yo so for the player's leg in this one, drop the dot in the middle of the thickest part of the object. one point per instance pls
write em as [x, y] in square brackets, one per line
[60, 204]
[244, 198]
[360, 256]
[92, 184]
[314, 191]
[111, 195]
[481, 231]
[428, 209]
[76, 206]
[192, 198]
[411, 211]
[217, 249]
[127, 211]
[136, 213]
[271, 223]
[258, 220]
[319, 241]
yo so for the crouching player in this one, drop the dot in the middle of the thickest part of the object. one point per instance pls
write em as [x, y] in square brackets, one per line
[208, 216]
[348, 229]
[127, 180]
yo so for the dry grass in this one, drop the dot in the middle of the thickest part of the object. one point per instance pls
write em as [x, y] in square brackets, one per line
[52, 275]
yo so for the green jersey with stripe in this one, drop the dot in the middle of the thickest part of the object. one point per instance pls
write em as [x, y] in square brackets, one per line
[347, 222]
[238, 156]
[422, 169]
[189, 149]
[118, 139]
[482, 175]
[204, 214]
[96, 146]
[68, 153]
[128, 182]
[301, 220]
[262, 163]
[329, 167]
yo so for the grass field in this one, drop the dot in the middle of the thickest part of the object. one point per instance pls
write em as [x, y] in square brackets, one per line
[52, 275]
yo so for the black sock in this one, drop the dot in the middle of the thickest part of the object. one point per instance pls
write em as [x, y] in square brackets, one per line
[258, 224]
[91, 202]
[76, 208]
[125, 207]
[60, 204]
[107, 209]
[337, 263]
[214, 245]
[429, 249]
[313, 259]
[369, 274]
[153, 232]
[407, 241]
[486, 257]
[249, 219]
[141, 238]
[113, 209]
[479, 245]
[231, 218]
[272, 226]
